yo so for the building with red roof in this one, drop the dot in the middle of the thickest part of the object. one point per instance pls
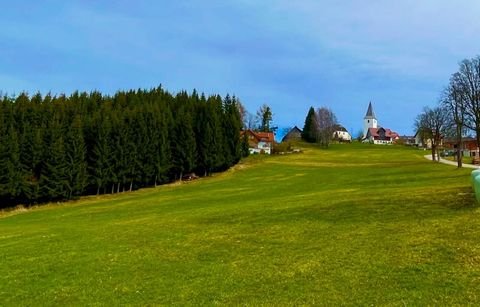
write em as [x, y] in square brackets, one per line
[259, 142]
[374, 134]
[381, 136]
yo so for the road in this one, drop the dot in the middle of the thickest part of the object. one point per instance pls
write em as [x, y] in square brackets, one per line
[465, 165]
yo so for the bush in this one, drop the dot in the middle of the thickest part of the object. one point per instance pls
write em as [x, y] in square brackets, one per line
[282, 147]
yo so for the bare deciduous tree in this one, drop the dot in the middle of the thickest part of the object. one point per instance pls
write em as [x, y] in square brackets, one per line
[243, 114]
[325, 121]
[433, 123]
[454, 101]
[467, 82]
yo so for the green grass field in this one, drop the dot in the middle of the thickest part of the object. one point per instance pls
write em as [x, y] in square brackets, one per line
[355, 225]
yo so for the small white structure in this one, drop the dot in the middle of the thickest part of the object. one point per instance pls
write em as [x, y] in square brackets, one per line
[420, 141]
[341, 134]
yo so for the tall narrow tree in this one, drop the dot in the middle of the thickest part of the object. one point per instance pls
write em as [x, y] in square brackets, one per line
[308, 132]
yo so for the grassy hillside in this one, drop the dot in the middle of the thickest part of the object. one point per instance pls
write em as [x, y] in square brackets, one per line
[355, 224]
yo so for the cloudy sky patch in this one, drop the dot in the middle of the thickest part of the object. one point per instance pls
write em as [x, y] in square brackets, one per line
[288, 54]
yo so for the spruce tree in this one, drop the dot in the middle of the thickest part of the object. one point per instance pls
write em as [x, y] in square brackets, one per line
[76, 164]
[53, 177]
[100, 167]
[309, 133]
[245, 146]
[131, 151]
[232, 127]
[183, 143]
[264, 117]
[10, 167]
[202, 135]
[162, 157]
[218, 147]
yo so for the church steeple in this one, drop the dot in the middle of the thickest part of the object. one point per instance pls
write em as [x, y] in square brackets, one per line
[369, 121]
[370, 112]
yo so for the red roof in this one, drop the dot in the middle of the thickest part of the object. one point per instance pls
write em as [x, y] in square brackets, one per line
[388, 133]
[261, 136]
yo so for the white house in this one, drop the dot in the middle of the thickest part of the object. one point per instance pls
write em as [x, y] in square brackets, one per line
[341, 134]
[259, 142]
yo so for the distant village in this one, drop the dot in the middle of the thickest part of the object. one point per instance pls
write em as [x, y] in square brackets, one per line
[373, 133]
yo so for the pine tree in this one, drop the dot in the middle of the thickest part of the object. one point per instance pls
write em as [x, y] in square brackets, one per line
[30, 160]
[53, 178]
[183, 143]
[162, 157]
[76, 164]
[10, 167]
[245, 146]
[37, 161]
[147, 135]
[309, 133]
[232, 127]
[130, 151]
[202, 134]
[217, 143]
[100, 168]
[264, 117]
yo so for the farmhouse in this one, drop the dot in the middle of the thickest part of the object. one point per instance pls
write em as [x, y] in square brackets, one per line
[421, 141]
[259, 142]
[294, 134]
[408, 140]
[341, 134]
[374, 134]
[469, 146]
[381, 136]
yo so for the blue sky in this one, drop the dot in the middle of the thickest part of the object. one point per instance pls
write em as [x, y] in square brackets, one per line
[288, 54]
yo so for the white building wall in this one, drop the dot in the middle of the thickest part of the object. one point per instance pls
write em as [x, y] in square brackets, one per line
[343, 135]
[265, 146]
[368, 122]
[382, 142]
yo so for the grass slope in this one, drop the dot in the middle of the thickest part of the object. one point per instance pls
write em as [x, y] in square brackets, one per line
[355, 224]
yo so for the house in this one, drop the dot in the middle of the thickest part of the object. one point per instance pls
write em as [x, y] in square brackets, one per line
[374, 134]
[408, 140]
[341, 134]
[381, 136]
[420, 141]
[469, 146]
[259, 142]
[294, 134]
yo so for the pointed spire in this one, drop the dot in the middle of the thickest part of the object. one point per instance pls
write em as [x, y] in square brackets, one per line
[370, 112]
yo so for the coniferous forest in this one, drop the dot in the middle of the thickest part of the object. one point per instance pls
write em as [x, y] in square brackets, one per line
[61, 147]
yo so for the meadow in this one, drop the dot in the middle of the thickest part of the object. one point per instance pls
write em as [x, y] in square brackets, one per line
[353, 225]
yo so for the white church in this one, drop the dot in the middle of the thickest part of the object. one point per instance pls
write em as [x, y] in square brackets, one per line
[372, 133]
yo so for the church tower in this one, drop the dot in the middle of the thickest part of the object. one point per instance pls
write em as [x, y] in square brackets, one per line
[369, 121]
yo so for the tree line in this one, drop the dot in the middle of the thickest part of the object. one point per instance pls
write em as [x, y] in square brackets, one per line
[458, 111]
[61, 147]
[319, 126]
